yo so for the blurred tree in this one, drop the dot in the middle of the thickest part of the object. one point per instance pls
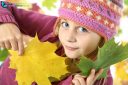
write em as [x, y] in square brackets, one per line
[3, 54]
[49, 3]
[125, 12]
[126, 2]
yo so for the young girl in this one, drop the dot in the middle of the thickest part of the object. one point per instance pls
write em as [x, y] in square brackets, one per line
[82, 27]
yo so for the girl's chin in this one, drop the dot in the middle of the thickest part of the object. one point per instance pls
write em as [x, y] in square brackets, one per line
[72, 56]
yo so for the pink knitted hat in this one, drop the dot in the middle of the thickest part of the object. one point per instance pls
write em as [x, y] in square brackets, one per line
[100, 16]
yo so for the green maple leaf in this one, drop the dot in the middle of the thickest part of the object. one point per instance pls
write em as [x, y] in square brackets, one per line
[49, 3]
[108, 55]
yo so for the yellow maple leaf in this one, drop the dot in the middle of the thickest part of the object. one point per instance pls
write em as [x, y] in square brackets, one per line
[121, 70]
[38, 64]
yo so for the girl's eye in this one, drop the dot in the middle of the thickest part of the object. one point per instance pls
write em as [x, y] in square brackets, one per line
[65, 24]
[82, 29]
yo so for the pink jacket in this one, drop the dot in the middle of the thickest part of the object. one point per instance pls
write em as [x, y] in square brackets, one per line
[31, 23]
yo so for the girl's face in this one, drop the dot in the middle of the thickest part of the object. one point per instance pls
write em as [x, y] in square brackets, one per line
[77, 40]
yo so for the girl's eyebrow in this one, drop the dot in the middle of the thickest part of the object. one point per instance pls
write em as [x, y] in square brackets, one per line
[64, 20]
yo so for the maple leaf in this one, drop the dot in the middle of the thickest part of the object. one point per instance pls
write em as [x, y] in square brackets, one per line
[109, 54]
[121, 70]
[38, 64]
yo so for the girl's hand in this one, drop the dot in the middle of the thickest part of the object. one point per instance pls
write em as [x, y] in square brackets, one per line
[26, 39]
[11, 37]
[80, 80]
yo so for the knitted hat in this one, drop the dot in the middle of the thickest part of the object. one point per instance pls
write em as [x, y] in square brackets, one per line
[100, 16]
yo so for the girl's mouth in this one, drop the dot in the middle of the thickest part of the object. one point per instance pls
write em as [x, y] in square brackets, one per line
[71, 48]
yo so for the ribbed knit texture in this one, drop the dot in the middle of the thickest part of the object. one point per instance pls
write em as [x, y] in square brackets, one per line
[100, 16]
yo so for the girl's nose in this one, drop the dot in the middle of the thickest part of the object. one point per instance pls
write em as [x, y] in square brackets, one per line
[71, 36]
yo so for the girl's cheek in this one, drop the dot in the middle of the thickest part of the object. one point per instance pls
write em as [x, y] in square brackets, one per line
[61, 36]
[85, 46]
[62, 33]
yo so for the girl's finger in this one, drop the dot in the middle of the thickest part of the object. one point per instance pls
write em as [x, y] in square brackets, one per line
[76, 82]
[79, 74]
[90, 79]
[14, 44]
[2, 45]
[20, 46]
[80, 79]
[92, 74]
[98, 74]
[7, 44]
